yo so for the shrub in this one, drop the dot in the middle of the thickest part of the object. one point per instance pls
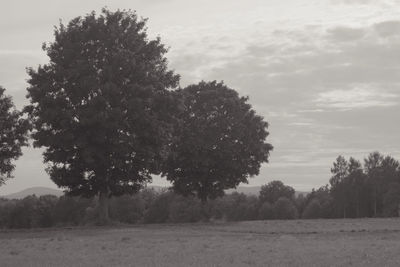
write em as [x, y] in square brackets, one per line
[127, 209]
[158, 211]
[182, 210]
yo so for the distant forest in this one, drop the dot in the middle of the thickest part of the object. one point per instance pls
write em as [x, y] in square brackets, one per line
[355, 190]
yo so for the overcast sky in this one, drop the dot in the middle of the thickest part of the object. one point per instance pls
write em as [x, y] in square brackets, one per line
[324, 73]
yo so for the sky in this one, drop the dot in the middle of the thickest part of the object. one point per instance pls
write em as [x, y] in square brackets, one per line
[325, 74]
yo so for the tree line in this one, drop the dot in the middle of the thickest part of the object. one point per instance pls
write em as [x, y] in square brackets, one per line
[110, 114]
[354, 191]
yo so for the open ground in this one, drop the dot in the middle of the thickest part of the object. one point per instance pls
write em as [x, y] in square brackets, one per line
[340, 242]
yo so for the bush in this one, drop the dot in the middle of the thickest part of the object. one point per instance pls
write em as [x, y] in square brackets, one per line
[158, 211]
[285, 209]
[72, 210]
[24, 213]
[127, 209]
[45, 210]
[239, 207]
[182, 210]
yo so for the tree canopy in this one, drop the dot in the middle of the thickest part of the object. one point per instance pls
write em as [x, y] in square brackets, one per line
[274, 190]
[101, 105]
[220, 142]
[13, 135]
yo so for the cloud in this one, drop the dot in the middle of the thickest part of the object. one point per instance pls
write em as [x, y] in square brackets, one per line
[388, 28]
[323, 89]
[359, 97]
[346, 34]
[353, 2]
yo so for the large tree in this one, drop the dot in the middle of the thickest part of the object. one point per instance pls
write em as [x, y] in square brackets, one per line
[13, 135]
[101, 105]
[220, 142]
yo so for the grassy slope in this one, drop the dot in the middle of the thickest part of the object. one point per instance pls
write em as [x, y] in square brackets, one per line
[361, 242]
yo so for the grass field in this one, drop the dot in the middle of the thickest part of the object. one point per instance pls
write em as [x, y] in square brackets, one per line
[358, 242]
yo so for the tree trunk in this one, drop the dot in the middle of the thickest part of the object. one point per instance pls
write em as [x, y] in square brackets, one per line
[103, 208]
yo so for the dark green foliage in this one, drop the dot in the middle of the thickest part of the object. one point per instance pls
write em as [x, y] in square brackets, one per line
[100, 108]
[127, 208]
[13, 135]
[220, 142]
[324, 198]
[266, 211]
[45, 210]
[239, 207]
[365, 191]
[158, 211]
[184, 210]
[391, 201]
[274, 190]
[23, 214]
[285, 209]
[72, 210]
[312, 210]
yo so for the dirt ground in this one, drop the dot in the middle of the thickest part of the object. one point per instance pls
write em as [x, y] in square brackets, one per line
[358, 242]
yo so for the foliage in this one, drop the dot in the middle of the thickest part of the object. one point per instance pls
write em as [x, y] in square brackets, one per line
[13, 135]
[365, 191]
[184, 210]
[272, 191]
[127, 208]
[266, 211]
[220, 142]
[312, 210]
[101, 107]
[284, 209]
[158, 211]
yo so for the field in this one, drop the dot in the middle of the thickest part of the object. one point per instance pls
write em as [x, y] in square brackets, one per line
[358, 242]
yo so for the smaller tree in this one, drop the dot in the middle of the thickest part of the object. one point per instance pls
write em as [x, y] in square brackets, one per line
[219, 143]
[13, 135]
[272, 191]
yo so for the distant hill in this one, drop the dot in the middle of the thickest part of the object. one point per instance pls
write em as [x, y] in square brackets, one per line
[38, 191]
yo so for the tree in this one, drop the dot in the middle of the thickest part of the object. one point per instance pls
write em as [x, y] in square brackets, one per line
[13, 135]
[340, 170]
[100, 106]
[272, 191]
[340, 187]
[324, 198]
[373, 169]
[219, 144]
[357, 186]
